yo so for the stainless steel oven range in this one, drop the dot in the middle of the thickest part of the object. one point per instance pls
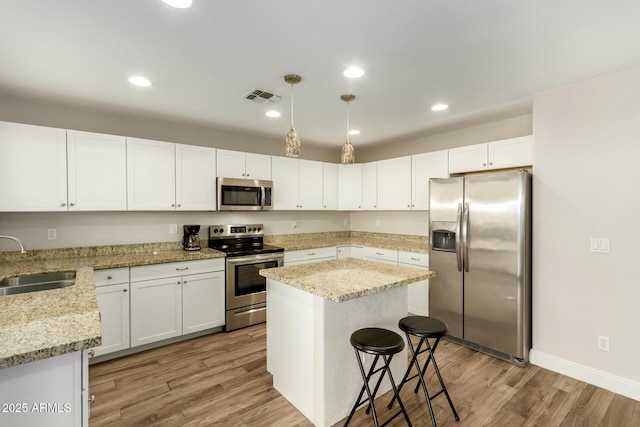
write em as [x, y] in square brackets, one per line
[246, 300]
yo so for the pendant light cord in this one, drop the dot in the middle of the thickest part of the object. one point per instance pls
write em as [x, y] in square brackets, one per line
[348, 121]
[292, 105]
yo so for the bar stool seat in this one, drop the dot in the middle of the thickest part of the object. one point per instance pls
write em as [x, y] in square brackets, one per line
[380, 343]
[425, 328]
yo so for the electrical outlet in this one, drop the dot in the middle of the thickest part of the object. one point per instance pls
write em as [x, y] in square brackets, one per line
[173, 228]
[345, 222]
[600, 245]
[603, 343]
[52, 234]
[294, 224]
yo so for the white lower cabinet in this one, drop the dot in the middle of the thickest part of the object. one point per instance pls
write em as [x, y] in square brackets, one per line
[350, 251]
[112, 289]
[419, 291]
[306, 256]
[52, 392]
[387, 256]
[173, 299]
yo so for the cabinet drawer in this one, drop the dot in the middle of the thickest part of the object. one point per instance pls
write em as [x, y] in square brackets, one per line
[378, 254]
[172, 269]
[310, 254]
[413, 258]
[111, 276]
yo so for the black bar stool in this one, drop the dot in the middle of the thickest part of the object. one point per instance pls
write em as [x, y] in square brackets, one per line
[424, 328]
[378, 342]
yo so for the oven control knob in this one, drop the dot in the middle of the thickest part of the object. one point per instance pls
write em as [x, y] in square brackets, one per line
[259, 228]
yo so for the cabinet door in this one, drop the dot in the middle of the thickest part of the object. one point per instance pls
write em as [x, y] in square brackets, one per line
[195, 178]
[113, 302]
[33, 168]
[423, 168]
[97, 171]
[203, 301]
[512, 152]
[467, 159]
[156, 310]
[285, 183]
[370, 186]
[258, 166]
[150, 175]
[311, 185]
[330, 186]
[350, 187]
[230, 164]
[394, 184]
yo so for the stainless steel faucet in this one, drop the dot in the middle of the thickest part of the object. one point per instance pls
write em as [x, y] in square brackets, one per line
[18, 241]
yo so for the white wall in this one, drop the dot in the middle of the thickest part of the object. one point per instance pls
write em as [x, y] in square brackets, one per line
[75, 229]
[587, 184]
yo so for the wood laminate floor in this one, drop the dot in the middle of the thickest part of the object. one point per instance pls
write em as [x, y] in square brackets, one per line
[222, 380]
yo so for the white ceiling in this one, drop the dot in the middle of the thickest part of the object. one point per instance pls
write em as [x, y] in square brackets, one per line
[484, 58]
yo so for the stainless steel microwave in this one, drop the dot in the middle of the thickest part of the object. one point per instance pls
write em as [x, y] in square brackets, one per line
[244, 194]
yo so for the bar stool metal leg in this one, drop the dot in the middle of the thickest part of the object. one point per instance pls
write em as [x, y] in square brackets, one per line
[380, 343]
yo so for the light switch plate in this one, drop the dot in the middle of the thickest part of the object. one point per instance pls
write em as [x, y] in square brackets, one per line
[600, 245]
[173, 228]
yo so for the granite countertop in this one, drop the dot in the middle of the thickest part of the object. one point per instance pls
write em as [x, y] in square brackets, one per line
[39, 325]
[345, 279]
[409, 243]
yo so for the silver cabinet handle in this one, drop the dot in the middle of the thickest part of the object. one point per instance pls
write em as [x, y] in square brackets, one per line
[124, 290]
[179, 205]
[92, 398]
[63, 204]
[173, 205]
[415, 259]
[311, 253]
[182, 269]
[380, 253]
[91, 353]
[109, 277]
[484, 164]
[72, 204]
[490, 163]
[247, 175]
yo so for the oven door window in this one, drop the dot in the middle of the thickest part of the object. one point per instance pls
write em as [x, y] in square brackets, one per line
[233, 195]
[248, 281]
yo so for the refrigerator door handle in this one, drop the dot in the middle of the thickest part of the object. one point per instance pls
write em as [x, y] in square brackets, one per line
[465, 236]
[458, 242]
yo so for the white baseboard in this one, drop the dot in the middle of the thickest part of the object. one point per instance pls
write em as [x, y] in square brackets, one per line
[584, 373]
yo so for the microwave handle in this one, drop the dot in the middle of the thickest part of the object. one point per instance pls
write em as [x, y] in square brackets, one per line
[263, 193]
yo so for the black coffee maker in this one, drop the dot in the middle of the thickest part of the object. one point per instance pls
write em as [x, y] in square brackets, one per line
[190, 240]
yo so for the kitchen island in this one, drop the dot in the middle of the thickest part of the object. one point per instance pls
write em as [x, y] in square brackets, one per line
[312, 311]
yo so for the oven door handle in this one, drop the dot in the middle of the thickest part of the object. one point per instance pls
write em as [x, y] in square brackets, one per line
[254, 258]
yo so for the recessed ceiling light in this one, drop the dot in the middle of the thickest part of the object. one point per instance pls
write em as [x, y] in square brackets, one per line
[353, 72]
[273, 113]
[179, 4]
[439, 107]
[354, 132]
[139, 81]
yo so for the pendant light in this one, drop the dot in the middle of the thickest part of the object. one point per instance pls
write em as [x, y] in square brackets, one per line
[347, 157]
[292, 140]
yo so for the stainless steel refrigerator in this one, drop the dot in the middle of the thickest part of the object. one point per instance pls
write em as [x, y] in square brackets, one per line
[481, 253]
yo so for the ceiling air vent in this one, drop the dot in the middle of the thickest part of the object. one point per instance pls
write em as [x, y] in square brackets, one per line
[263, 97]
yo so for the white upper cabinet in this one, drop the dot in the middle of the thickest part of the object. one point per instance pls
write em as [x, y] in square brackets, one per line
[195, 178]
[501, 154]
[423, 168]
[285, 183]
[237, 164]
[97, 171]
[394, 184]
[311, 184]
[370, 186]
[33, 168]
[350, 187]
[512, 152]
[166, 176]
[151, 175]
[330, 186]
[297, 184]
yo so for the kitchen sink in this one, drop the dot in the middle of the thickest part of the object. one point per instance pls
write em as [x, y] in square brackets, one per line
[37, 282]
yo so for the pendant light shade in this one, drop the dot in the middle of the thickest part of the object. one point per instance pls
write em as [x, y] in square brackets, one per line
[348, 155]
[292, 140]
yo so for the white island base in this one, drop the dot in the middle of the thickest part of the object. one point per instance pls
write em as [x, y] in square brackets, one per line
[309, 352]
